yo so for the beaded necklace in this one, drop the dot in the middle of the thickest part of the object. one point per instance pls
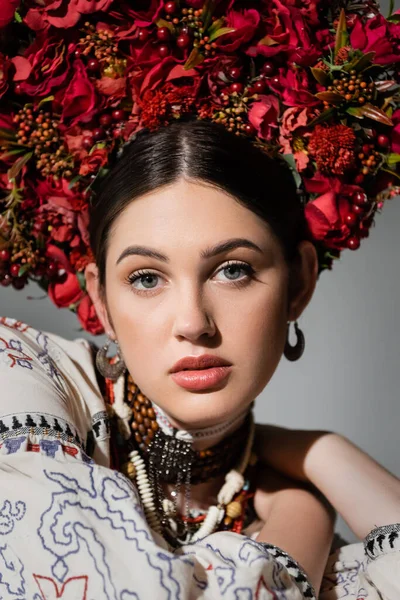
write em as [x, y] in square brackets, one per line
[139, 448]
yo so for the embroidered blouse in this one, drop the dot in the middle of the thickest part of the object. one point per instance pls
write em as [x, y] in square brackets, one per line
[72, 527]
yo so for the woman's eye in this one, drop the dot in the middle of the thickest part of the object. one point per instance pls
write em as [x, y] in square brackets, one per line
[147, 278]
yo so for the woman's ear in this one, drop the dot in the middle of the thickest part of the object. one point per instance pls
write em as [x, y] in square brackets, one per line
[304, 275]
[98, 298]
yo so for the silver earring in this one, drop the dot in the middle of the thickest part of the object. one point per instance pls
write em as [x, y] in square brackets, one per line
[109, 370]
[294, 352]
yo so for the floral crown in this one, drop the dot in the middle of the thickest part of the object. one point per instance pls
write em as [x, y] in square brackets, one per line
[315, 81]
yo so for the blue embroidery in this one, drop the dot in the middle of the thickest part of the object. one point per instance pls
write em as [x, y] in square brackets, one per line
[8, 515]
[50, 447]
[14, 444]
[11, 574]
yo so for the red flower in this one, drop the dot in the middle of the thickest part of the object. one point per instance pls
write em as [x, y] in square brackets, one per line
[67, 290]
[5, 66]
[333, 148]
[245, 24]
[396, 132]
[93, 162]
[79, 101]
[326, 214]
[49, 66]
[88, 317]
[63, 13]
[7, 11]
[263, 115]
[375, 36]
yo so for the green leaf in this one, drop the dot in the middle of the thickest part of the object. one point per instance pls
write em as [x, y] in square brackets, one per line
[391, 7]
[355, 111]
[24, 269]
[289, 158]
[214, 26]
[324, 116]
[384, 85]
[9, 153]
[331, 97]
[267, 41]
[341, 32]
[18, 166]
[375, 113]
[359, 64]
[394, 18]
[320, 75]
[194, 59]
[7, 134]
[47, 99]
[17, 17]
[164, 23]
[220, 32]
[208, 10]
[81, 279]
[73, 181]
[392, 159]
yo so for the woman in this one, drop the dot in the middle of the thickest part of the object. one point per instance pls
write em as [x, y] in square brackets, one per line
[84, 519]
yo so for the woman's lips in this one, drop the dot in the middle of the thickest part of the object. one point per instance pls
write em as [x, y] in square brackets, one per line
[201, 379]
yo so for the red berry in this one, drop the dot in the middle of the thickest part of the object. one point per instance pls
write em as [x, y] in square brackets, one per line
[78, 52]
[93, 65]
[118, 114]
[366, 148]
[5, 255]
[105, 120]
[143, 35]
[163, 50]
[236, 87]
[358, 179]
[383, 141]
[19, 282]
[14, 269]
[18, 91]
[249, 129]
[259, 86]
[183, 40]
[98, 134]
[360, 199]
[358, 210]
[275, 82]
[351, 219]
[163, 34]
[6, 280]
[170, 7]
[235, 73]
[51, 269]
[87, 142]
[268, 69]
[353, 243]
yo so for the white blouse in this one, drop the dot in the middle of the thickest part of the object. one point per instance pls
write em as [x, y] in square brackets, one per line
[73, 528]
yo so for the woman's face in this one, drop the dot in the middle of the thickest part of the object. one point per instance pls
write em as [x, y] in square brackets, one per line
[187, 305]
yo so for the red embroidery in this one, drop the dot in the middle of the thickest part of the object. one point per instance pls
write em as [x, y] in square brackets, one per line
[15, 357]
[33, 447]
[77, 587]
[70, 450]
[262, 587]
[18, 325]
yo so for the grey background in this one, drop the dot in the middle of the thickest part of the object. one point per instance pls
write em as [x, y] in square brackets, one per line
[348, 378]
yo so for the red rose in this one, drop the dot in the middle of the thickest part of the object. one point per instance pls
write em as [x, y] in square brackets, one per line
[65, 292]
[93, 162]
[375, 36]
[63, 13]
[49, 66]
[88, 317]
[263, 115]
[79, 101]
[7, 11]
[245, 24]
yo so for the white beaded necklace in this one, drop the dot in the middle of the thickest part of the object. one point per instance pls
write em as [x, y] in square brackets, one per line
[234, 480]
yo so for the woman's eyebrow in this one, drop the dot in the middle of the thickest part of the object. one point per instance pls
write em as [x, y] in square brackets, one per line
[224, 246]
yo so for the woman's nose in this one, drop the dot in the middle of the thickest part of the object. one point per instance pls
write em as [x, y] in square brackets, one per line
[192, 316]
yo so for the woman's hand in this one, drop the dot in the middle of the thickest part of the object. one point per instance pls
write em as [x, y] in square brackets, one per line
[364, 493]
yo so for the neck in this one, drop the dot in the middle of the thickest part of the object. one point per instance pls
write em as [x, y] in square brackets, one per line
[204, 437]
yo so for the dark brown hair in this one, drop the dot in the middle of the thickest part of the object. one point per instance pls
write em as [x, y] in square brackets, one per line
[203, 151]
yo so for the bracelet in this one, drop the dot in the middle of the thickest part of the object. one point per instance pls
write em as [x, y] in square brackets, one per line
[382, 540]
[293, 567]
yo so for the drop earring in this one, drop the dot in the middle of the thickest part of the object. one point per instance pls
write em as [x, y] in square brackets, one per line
[110, 370]
[293, 353]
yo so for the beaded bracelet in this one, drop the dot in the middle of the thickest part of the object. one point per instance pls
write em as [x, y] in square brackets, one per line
[293, 567]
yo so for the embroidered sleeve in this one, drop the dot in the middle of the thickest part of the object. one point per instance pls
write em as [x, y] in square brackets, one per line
[39, 409]
[382, 540]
